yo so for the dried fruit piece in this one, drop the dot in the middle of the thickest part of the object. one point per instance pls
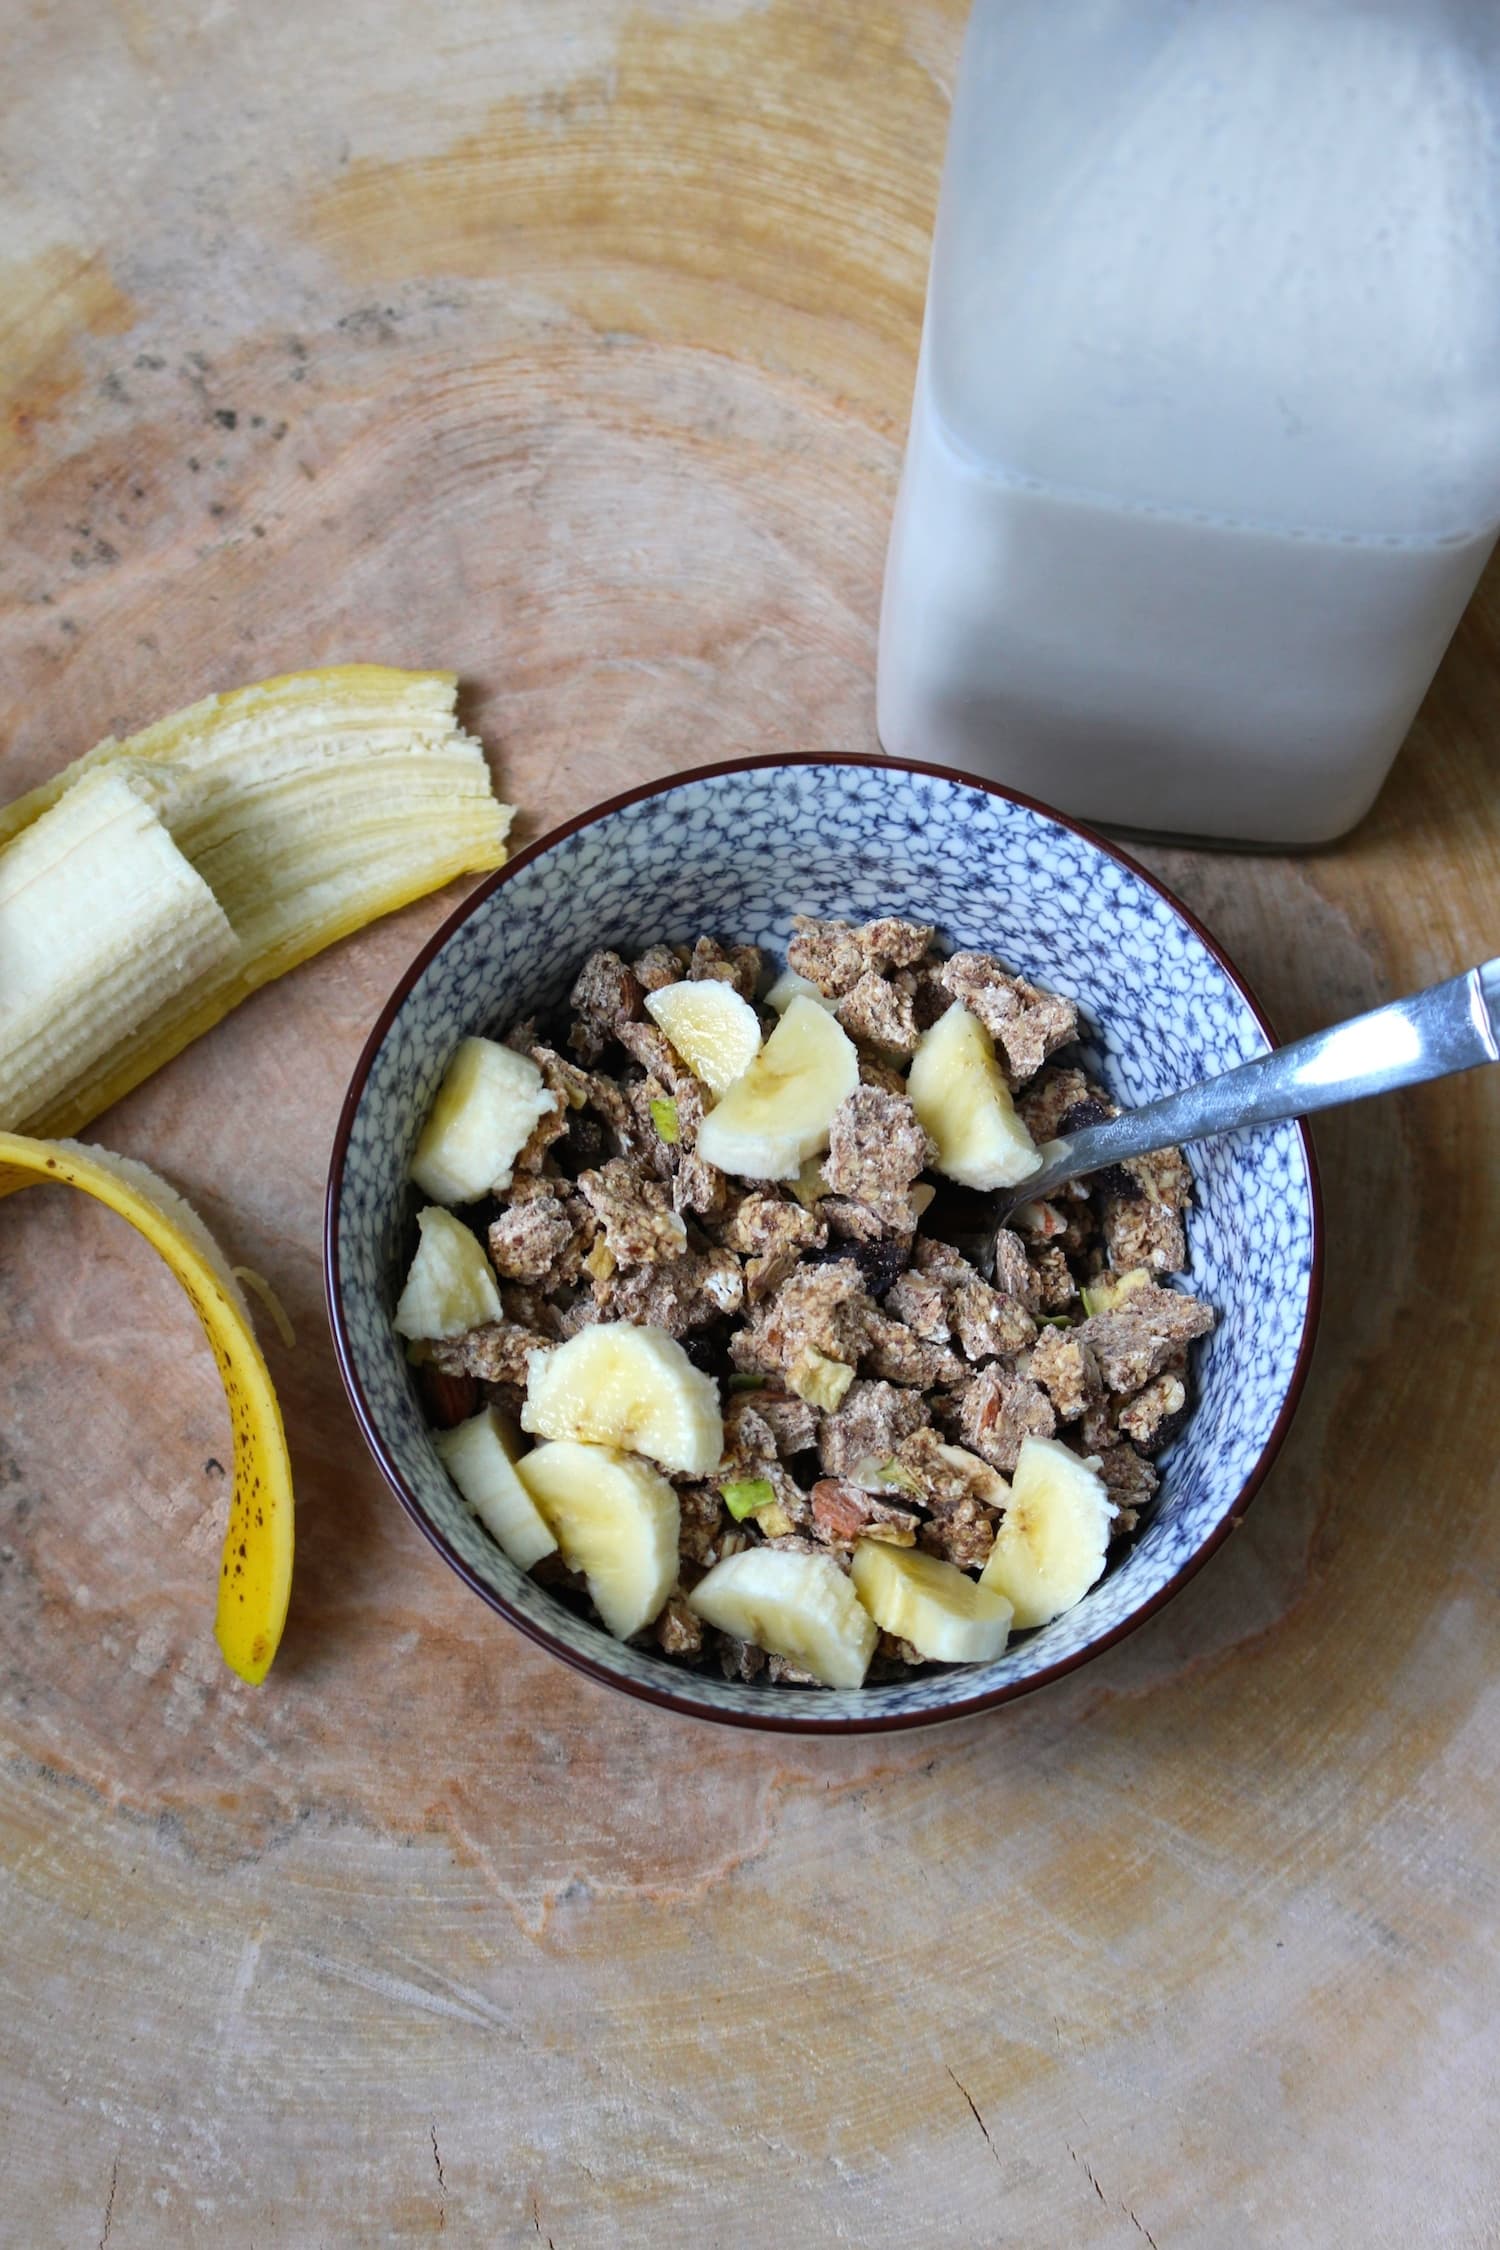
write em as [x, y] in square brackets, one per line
[818, 1379]
[746, 1496]
[1109, 1291]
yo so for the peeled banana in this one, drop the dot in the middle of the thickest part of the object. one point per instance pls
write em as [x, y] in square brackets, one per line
[616, 1519]
[794, 1605]
[255, 1576]
[715, 1030]
[779, 1111]
[634, 1388]
[960, 1096]
[306, 806]
[931, 1603]
[102, 923]
[1053, 1536]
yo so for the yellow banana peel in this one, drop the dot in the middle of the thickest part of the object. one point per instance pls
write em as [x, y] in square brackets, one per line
[229, 843]
[255, 1577]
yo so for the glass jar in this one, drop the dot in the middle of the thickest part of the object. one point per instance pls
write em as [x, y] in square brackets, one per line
[1204, 458]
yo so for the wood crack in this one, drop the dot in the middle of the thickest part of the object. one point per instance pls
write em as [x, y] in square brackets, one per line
[437, 2164]
[974, 2113]
[109, 2208]
[1124, 2208]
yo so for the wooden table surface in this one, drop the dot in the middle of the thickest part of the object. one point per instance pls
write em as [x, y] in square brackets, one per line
[569, 344]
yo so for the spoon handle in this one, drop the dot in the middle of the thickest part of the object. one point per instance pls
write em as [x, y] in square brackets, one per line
[1447, 1028]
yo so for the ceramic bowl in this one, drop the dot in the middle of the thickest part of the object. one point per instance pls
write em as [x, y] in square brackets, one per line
[737, 850]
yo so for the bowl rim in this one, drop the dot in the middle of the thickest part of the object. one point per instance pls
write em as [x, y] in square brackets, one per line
[665, 1696]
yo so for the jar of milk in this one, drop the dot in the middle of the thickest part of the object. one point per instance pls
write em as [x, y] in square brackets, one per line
[1204, 457]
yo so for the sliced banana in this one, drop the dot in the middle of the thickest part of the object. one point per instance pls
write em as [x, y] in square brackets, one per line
[960, 1096]
[616, 1384]
[615, 1519]
[1053, 1537]
[789, 987]
[801, 1607]
[716, 1032]
[486, 1107]
[930, 1603]
[451, 1286]
[779, 1112]
[480, 1456]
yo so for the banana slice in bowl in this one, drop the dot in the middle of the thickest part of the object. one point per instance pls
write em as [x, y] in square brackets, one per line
[1054, 1535]
[450, 1284]
[615, 1518]
[779, 1112]
[715, 1030]
[931, 1603]
[798, 1606]
[480, 1456]
[959, 1093]
[634, 1388]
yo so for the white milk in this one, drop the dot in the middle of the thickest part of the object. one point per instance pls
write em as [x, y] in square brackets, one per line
[1205, 448]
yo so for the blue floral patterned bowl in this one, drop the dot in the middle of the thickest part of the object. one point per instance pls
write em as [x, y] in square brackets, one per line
[738, 850]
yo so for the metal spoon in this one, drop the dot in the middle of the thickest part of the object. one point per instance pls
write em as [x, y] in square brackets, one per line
[1447, 1028]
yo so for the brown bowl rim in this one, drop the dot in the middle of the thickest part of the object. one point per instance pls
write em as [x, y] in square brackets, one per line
[665, 1696]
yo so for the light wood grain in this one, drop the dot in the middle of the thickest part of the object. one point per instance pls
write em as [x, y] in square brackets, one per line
[569, 345]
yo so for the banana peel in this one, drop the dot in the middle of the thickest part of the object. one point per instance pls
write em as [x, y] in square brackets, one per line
[255, 1576]
[300, 809]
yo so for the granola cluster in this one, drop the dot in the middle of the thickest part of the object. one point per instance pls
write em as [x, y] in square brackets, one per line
[876, 1384]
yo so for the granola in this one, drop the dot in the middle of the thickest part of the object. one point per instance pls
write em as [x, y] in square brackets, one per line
[640, 1226]
[868, 1425]
[878, 1012]
[1026, 1023]
[874, 1384]
[876, 1151]
[1063, 1362]
[528, 1241]
[998, 1410]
